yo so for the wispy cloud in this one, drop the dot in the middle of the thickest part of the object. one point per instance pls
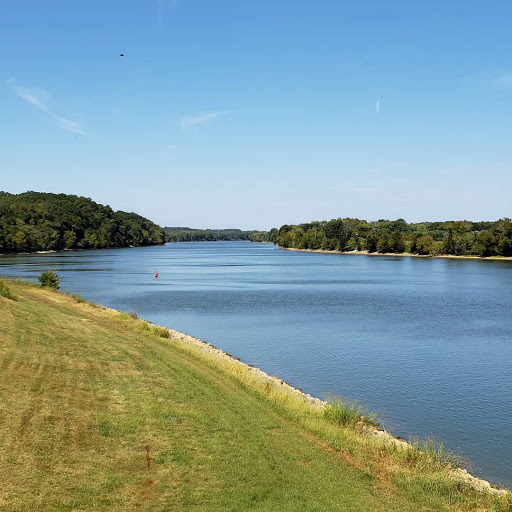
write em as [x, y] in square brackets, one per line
[191, 121]
[503, 79]
[163, 6]
[377, 106]
[39, 99]
[36, 97]
[69, 125]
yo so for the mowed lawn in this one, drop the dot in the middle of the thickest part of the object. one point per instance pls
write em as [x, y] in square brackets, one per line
[96, 415]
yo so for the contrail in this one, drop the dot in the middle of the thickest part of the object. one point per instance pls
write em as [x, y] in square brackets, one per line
[377, 106]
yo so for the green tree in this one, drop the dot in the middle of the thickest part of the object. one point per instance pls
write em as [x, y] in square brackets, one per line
[19, 241]
[69, 239]
[425, 245]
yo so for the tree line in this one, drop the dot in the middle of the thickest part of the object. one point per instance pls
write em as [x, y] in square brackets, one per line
[177, 234]
[36, 221]
[384, 236]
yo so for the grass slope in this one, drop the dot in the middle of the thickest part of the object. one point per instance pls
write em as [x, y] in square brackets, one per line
[97, 412]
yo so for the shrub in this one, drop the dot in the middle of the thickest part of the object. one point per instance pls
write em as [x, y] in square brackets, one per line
[50, 279]
[78, 298]
[5, 291]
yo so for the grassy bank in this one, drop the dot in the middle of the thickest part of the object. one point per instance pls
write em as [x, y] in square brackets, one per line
[100, 410]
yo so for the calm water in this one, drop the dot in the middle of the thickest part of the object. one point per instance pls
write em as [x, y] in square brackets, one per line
[426, 342]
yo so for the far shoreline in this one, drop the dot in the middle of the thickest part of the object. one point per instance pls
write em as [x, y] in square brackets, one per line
[402, 254]
[77, 249]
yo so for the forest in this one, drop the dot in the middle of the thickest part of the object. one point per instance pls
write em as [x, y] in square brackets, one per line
[37, 221]
[177, 234]
[460, 238]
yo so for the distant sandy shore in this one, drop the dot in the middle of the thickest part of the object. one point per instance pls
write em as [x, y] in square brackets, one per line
[404, 254]
[26, 253]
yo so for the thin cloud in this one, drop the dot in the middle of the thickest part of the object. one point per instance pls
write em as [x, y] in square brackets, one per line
[69, 125]
[163, 6]
[191, 121]
[38, 98]
[377, 106]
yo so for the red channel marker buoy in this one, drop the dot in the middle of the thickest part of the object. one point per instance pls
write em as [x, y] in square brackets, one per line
[156, 275]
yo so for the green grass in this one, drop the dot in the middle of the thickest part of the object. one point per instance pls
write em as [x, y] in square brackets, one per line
[100, 412]
[344, 412]
[78, 298]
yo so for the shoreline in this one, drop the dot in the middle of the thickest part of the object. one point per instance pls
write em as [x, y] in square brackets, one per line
[321, 251]
[261, 382]
[402, 254]
[264, 378]
[120, 400]
[54, 251]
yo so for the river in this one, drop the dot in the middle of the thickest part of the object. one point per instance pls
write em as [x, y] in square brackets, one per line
[427, 343]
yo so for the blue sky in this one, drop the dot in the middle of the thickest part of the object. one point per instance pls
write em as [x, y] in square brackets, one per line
[255, 113]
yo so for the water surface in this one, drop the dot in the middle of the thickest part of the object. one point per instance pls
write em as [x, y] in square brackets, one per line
[426, 342]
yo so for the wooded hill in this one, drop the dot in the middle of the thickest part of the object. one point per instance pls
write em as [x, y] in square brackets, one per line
[384, 236]
[181, 234]
[36, 221]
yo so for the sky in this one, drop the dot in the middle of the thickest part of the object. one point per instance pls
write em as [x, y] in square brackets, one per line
[257, 113]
